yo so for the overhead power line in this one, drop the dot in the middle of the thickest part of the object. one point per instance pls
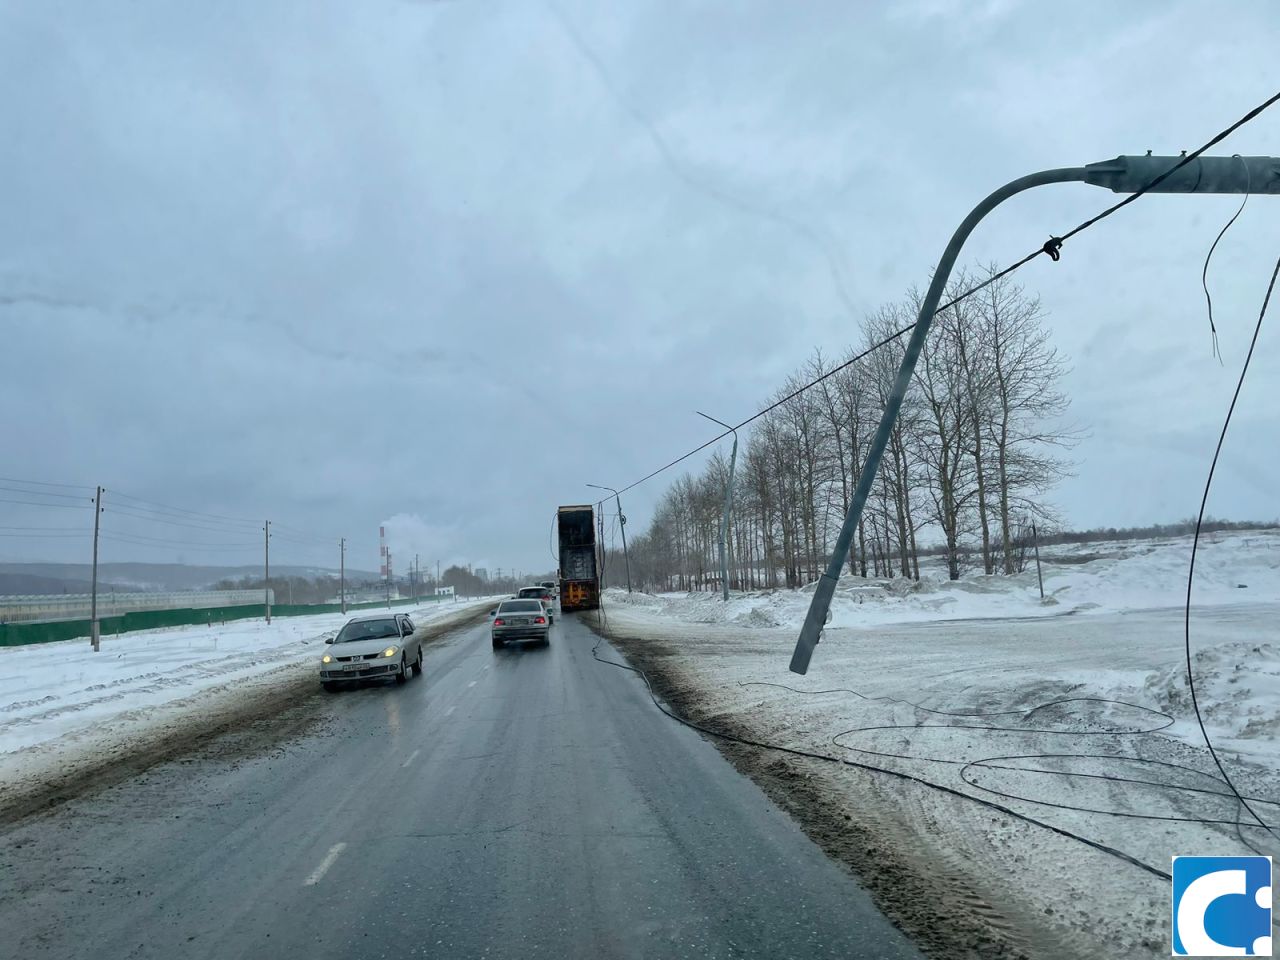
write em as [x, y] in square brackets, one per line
[1051, 248]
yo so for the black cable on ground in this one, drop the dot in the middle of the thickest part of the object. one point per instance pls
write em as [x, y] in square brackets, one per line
[994, 763]
[843, 761]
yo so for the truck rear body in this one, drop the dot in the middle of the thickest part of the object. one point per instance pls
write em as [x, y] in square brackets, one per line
[579, 580]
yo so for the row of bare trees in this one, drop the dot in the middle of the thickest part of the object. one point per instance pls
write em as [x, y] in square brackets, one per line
[978, 445]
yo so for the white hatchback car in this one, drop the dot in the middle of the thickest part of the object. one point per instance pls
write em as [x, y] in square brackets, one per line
[375, 647]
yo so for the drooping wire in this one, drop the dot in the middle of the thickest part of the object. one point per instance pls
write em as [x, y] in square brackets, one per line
[47, 483]
[1051, 248]
[1195, 543]
[65, 506]
[1204, 274]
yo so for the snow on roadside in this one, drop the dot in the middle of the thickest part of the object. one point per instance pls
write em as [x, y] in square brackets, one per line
[889, 658]
[1109, 577]
[53, 690]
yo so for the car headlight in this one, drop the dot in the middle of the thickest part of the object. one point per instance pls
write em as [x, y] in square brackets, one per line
[326, 659]
[390, 651]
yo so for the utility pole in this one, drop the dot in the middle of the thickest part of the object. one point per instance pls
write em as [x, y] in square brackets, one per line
[1035, 542]
[94, 637]
[600, 556]
[417, 576]
[266, 568]
[728, 505]
[342, 574]
[1194, 174]
[388, 579]
[622, 522]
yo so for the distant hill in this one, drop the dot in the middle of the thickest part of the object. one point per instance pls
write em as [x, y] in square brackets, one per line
[44, 578]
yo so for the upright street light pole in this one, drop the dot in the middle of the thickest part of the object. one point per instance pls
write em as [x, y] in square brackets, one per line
[342, 574]
[728, 505]
[266, 568]
[95, 638]
[622, 522]
[1121, 175]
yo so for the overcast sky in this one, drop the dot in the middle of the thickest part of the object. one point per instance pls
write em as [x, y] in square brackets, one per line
[442, 264]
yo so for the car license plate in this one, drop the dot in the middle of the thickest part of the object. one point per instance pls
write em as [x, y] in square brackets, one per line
[353, 666]
[520, 621]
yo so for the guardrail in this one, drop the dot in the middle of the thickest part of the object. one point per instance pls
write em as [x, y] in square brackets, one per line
[20, 634]
[78, 606]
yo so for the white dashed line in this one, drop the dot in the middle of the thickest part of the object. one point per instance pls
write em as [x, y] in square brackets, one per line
[325, 864]
[450, 710]
[411, 758]
[472, 684]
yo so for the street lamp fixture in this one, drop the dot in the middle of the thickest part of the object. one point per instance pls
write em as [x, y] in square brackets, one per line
[622, 522]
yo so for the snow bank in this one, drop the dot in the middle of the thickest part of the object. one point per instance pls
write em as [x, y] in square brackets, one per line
[1080, 578]
[52, 690]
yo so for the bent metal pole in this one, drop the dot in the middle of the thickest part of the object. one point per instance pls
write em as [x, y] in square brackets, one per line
[1195, 174]
[817, 615]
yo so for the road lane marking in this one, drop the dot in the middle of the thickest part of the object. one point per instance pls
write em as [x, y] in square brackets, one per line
[471, 684]
[411, 758]
[450, 710]
[325, 864]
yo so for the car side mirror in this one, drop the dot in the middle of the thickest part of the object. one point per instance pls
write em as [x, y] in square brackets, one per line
[328, 639]
[493, 613]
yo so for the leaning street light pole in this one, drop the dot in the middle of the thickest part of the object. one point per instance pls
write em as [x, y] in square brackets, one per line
[728, 505]
[622, 522]
[1121, 175]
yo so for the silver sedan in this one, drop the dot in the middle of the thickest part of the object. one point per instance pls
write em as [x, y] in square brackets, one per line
[375, 647]
[521, 620]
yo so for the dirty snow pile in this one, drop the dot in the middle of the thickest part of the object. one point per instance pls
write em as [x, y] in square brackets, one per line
[1075, 713]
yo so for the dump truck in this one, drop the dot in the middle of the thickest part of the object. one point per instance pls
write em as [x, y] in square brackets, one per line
[579, 577]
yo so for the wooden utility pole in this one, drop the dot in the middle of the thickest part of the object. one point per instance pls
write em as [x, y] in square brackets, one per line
[94, 637]
[342, 573]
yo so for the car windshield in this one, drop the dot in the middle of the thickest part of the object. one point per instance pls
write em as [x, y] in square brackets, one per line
[531, 592]
[521, 606]
[367, 630]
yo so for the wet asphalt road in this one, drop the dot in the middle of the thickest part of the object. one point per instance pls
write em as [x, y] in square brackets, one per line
[522, 803]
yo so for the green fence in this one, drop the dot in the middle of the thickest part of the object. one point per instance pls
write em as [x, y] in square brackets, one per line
[18, 634]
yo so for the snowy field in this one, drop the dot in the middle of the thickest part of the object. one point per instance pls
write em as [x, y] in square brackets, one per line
[1074, 712]
[61, 700]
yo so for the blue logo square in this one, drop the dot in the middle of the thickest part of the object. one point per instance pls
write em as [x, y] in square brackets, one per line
[1222, 906]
